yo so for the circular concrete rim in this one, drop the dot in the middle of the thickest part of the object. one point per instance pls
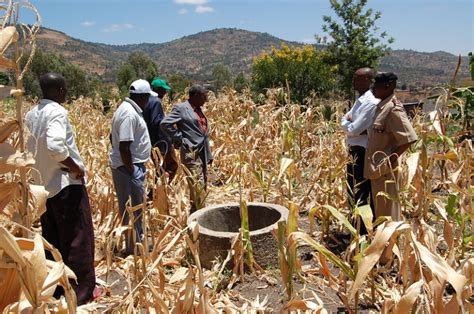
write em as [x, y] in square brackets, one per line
[224, 234]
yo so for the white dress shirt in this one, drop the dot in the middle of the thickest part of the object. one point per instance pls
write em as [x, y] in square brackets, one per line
[362, 116]
[128, 125]
[51, 141]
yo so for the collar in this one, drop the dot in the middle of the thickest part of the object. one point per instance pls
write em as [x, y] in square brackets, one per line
[367, 94]
[386, 100]
[134, 105]
[44, 102]
[194, 107]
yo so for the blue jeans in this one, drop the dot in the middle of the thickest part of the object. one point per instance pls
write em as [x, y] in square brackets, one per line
[130, 187]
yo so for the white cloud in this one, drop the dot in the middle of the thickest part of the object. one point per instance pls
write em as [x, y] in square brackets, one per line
[118, 27]
[203, 9]
[201, 6]
[88, 23]
[194, 2]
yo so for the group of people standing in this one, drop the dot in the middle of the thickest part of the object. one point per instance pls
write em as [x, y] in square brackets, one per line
[138, 125]
[378, 132]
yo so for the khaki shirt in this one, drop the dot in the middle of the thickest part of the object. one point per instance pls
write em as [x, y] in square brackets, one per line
[391, 129]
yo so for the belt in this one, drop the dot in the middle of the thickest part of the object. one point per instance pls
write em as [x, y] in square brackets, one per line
[356, 147]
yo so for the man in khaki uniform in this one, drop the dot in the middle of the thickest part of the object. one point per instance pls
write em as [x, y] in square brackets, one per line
[390, 136]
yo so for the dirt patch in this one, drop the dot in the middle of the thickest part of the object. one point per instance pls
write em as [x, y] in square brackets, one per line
[116, 282]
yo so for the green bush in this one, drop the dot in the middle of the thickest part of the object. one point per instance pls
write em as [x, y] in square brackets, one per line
[303, 70]
[4, 78]
[79, 84]
[138, 66]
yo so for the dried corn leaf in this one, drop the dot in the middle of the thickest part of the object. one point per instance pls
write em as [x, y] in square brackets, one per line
[37, 259]
[449, 155]
[311, 213]
[160, 200]
[8, 191]
[38, 198]
[8, 35]
[436, 122]
[408, 299]
[303, 305]
[54, 277]
[10, 159]
[287, 165]
[7, 129]
[7, 64]
[179, 275]
[373, 253]
[440, 268]
[412, 163]
[185, 298]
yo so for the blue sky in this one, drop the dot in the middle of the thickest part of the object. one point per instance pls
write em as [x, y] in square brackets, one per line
[423, 25]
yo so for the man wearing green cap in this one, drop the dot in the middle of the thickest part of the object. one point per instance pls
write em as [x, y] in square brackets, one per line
[153, 114]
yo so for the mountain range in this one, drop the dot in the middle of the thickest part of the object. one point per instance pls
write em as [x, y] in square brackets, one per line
[194, 56]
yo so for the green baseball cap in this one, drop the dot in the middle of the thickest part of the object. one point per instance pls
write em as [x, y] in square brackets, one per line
[156, 83]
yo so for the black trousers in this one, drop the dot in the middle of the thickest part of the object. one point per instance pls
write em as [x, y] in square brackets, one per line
[359, 188]
[67, 224]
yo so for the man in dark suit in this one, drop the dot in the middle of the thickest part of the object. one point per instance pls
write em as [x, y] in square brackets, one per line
[188, 130]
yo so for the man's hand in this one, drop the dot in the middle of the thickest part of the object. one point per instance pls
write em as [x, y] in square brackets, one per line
[129, 169]
[74, 169]
[349, 117]
[126, 155]
[77, 172]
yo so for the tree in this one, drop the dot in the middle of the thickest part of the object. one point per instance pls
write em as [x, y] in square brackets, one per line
[303, 70]
[125, 76]
[139, 65]
[79, 84]
[221, 76]
[240, 82]
[178, 84]
[471, 65]
[4, 78]
[355, 39]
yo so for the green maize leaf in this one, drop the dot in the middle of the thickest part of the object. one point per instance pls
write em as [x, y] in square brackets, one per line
[337, 214]
[365, 213]
[286, 275]
[301, 236]
[246, 232]
[451, 205]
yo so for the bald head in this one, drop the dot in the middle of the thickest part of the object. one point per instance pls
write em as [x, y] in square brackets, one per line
[363, 79]
[197, 95]
[368, 72]
[53, 86]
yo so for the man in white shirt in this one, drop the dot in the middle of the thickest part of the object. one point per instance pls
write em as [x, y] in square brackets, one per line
[355, 124]
[67, 222]
[131, 148]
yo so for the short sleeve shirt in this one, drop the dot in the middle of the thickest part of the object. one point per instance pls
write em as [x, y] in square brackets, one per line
[128, 125]
[391, 129]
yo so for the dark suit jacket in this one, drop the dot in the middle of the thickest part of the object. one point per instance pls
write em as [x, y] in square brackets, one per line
[182, 126]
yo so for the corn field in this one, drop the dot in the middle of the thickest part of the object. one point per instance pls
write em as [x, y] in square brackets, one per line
[276, 154]
[271, 152]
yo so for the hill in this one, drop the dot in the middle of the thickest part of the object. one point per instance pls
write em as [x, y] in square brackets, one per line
[194, 56]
